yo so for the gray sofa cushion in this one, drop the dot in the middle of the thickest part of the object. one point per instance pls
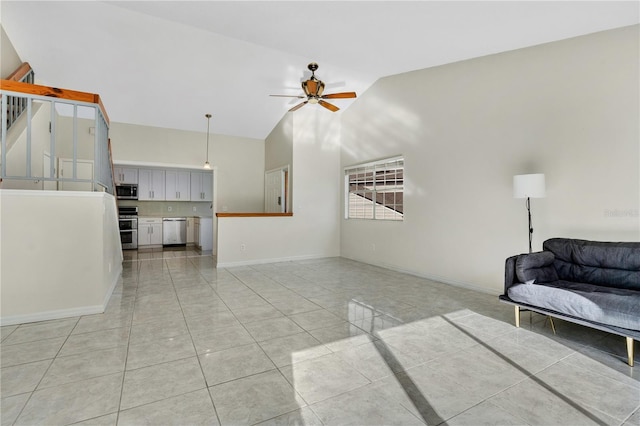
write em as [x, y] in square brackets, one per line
[616, 307]
[604, 263]
[536, 268]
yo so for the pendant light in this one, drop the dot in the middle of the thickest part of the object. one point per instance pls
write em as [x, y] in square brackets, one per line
[206, 162]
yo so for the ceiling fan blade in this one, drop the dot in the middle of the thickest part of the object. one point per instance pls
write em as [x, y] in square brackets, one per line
[328, 106]
[298, 106]
[289, 96]
[342, 95]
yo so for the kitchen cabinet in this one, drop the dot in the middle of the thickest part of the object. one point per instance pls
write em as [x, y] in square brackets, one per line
[177, 186]
[125, 175]
[151, 184]
[190, 228]
[203, 233]
[201, 186]
[149, 231]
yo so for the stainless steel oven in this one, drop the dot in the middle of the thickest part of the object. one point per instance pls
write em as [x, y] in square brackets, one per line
[129, 239]
[128, 223]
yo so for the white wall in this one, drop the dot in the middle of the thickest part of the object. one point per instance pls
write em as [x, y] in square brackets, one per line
[85, 140]
[239, 161]
[60, 254]
[279, 151]
[314, 229]
[567, 109]
[279, 145]
[9, 58]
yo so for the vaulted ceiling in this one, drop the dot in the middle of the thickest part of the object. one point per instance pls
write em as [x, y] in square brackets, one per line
[167, 63]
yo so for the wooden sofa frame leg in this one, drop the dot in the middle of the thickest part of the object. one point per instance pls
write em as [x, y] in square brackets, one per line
[517, 315]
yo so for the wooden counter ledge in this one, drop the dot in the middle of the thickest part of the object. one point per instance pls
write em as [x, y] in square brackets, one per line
[253, 214]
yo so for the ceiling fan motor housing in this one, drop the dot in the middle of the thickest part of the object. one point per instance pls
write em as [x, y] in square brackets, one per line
[313, 89]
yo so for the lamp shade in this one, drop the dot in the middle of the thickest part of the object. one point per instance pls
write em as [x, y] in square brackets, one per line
[529, 186]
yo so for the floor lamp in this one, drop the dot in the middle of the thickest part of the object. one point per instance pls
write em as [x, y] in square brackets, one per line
[529, 186]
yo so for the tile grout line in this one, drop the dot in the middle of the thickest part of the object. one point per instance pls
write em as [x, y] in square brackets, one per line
[126, 357]
[46, 371]
[195, 350]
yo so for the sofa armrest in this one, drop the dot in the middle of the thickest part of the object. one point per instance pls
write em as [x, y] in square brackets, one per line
[536, 268]
[510, 273]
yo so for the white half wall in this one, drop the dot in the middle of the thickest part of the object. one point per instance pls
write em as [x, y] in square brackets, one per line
[60, 254]
[314, 229]
[568, 109]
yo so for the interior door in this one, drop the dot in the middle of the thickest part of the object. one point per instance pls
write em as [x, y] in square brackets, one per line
[48, 185]
[85, 171]
[274, 195]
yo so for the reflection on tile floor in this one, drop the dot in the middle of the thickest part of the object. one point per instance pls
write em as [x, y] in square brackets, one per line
[316, 342]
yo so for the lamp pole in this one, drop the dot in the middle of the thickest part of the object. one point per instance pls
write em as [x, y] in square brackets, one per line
[530, 225]
[529, 186]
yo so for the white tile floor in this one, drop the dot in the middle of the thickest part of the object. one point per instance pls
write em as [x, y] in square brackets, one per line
[327, 341]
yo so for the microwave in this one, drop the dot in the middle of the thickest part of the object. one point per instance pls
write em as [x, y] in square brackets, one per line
[127, 191]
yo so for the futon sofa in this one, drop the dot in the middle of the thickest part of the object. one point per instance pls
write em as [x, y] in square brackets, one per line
[596, 284]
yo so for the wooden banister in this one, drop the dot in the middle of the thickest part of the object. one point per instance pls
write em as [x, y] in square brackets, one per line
[22, 70]
[113, 172]
[54, 92]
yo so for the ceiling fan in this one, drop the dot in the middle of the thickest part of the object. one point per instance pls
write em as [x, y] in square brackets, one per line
[313, 89]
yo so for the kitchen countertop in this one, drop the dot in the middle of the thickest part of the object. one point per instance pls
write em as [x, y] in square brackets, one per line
[148, 216]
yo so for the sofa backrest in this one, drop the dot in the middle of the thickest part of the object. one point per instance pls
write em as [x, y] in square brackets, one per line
[611, 264]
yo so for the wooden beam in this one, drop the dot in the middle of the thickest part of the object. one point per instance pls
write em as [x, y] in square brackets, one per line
[20, 72]
[254, 214]
[54, 92]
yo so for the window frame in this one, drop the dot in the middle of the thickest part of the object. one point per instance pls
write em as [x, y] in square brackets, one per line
[373, 169]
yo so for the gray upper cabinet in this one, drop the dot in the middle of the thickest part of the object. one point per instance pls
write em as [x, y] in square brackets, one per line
[156, 184]
[151, 184]
[125, 175]
[201, 186]
[177, 186]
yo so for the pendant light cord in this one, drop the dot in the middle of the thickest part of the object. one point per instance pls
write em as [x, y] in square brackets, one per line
[208, 121]
[206, 160]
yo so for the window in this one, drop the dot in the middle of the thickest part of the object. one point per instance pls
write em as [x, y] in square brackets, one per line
[375, 190]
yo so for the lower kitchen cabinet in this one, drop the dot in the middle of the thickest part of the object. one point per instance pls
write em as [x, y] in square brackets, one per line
[149, 231]
[203, 233]
[190, 230]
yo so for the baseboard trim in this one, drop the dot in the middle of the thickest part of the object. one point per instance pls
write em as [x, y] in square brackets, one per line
[431, 277]
[116, 279]
[265, 261]
[51, 315]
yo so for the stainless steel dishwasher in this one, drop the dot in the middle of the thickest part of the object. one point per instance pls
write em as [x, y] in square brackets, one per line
[174, 231]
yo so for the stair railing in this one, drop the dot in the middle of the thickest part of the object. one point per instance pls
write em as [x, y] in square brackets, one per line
[102, 177]
[17, 105]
